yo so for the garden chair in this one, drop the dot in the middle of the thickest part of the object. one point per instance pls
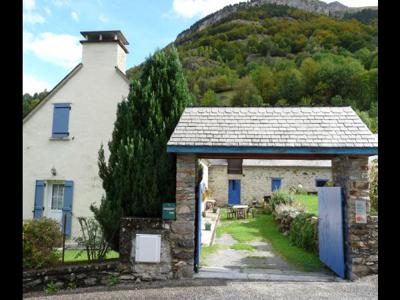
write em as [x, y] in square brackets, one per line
[230, 213]
[251, 210]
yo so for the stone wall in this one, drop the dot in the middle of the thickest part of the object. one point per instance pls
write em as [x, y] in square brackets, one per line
[75, 275]
[364, 244]
[218, 184]
[256, 181]
[351, 173]
[146, 271]
[177, 237]
[182, 230]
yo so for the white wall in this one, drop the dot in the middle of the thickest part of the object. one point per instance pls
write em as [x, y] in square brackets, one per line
[205, 172]
[93, 92]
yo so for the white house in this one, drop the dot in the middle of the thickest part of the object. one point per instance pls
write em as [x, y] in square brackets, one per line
[63, 134]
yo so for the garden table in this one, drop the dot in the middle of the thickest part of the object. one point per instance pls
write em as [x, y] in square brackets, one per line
[241, 211]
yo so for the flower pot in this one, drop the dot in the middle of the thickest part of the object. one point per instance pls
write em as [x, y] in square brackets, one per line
[215, 209]
[207, 226]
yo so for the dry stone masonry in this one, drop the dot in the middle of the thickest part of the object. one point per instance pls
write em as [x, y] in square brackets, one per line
[177, 237]
[146, 271]
[78, 275]
[351, 173]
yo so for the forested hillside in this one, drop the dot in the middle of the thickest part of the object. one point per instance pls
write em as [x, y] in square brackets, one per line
[30, 101]
[276, 55]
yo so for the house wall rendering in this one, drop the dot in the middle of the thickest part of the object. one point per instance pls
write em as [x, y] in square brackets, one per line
[93, 93]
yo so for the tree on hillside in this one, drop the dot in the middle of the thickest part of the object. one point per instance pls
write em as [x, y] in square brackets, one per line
[30, 101]
[209, 99]
[140, 174]
[247, 94]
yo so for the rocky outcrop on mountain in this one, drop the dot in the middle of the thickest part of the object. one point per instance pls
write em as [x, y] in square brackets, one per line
[335, 9]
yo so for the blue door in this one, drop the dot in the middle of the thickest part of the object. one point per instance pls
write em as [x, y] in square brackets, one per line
[276, 184]
[234, 192]
[330, 229]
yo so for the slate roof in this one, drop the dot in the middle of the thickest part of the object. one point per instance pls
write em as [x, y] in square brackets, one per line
[272, 127]
[276, 163]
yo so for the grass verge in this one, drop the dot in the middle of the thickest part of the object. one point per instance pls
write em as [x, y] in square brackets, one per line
[310, 202]
[71, 255]
[207, 250]
[240, 246]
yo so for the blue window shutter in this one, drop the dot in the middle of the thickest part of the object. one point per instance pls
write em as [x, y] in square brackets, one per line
[61, 119]
[67, 209]
[39, 194]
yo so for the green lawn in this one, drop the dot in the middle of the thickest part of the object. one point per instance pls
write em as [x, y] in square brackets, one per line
[70, 255]
[264, 226]
[309, 201]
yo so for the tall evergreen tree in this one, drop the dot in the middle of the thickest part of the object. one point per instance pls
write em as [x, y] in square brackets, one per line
[140, 174]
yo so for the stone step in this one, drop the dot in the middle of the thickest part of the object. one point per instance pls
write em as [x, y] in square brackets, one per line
[268, 275]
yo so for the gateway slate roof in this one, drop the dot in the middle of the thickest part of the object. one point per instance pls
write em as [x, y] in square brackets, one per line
[272, 127]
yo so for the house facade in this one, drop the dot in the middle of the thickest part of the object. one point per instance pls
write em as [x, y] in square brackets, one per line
[259, 178]
[63, 133]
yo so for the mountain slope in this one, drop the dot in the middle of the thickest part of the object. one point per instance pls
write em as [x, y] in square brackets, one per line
[268, 54]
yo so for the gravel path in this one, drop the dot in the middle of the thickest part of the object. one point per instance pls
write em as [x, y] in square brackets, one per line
[366, 288]
[262, 257]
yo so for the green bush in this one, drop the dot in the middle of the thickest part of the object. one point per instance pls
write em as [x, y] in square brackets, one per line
[297, 190]
[40, 237]
[304, 232]
[92, 240]
[267, 209]
[373, 187]
[281, 197]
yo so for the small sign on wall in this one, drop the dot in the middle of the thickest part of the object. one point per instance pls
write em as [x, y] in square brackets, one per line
[361, 211]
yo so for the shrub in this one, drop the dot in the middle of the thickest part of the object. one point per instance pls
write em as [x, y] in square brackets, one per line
[40, 237]
[267, 209]
[284, 214]
[280, 197]
[51, 287]
[92, 239]
[373, 187]
[297, 189]
[304, 231]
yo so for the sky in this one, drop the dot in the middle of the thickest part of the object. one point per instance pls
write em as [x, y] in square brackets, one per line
[51, 30]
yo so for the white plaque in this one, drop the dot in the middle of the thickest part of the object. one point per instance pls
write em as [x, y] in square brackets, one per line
[361, 211]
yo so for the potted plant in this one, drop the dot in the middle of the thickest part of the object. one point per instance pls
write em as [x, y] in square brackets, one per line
[215, 209]
[207, 226]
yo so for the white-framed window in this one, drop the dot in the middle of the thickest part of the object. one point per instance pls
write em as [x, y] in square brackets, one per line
[57, 196]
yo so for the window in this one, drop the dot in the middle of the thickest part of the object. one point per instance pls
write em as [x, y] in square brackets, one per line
[235, 166]
[57, 197]
[276, 184]
[320, 182]
[61, 120]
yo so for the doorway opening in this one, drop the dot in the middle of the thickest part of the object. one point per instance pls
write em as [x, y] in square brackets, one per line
[245, 236]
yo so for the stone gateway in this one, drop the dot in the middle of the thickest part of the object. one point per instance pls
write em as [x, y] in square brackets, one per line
[334, 133]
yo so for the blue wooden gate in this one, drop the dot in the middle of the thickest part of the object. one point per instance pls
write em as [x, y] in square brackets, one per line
[330, 229]
[234, 192]
[201, 189]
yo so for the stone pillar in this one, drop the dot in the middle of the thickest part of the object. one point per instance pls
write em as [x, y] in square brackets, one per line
[182, 235]
[351, 173]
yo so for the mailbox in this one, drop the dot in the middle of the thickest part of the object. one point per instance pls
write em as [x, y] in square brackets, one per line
[169, 211]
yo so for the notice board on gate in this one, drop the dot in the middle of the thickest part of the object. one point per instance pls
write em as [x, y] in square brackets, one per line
[361, 211]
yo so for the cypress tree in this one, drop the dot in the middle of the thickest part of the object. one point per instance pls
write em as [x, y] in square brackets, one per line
[140, 174]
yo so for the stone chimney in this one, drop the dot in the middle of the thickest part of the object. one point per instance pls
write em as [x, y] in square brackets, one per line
[104, 49]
